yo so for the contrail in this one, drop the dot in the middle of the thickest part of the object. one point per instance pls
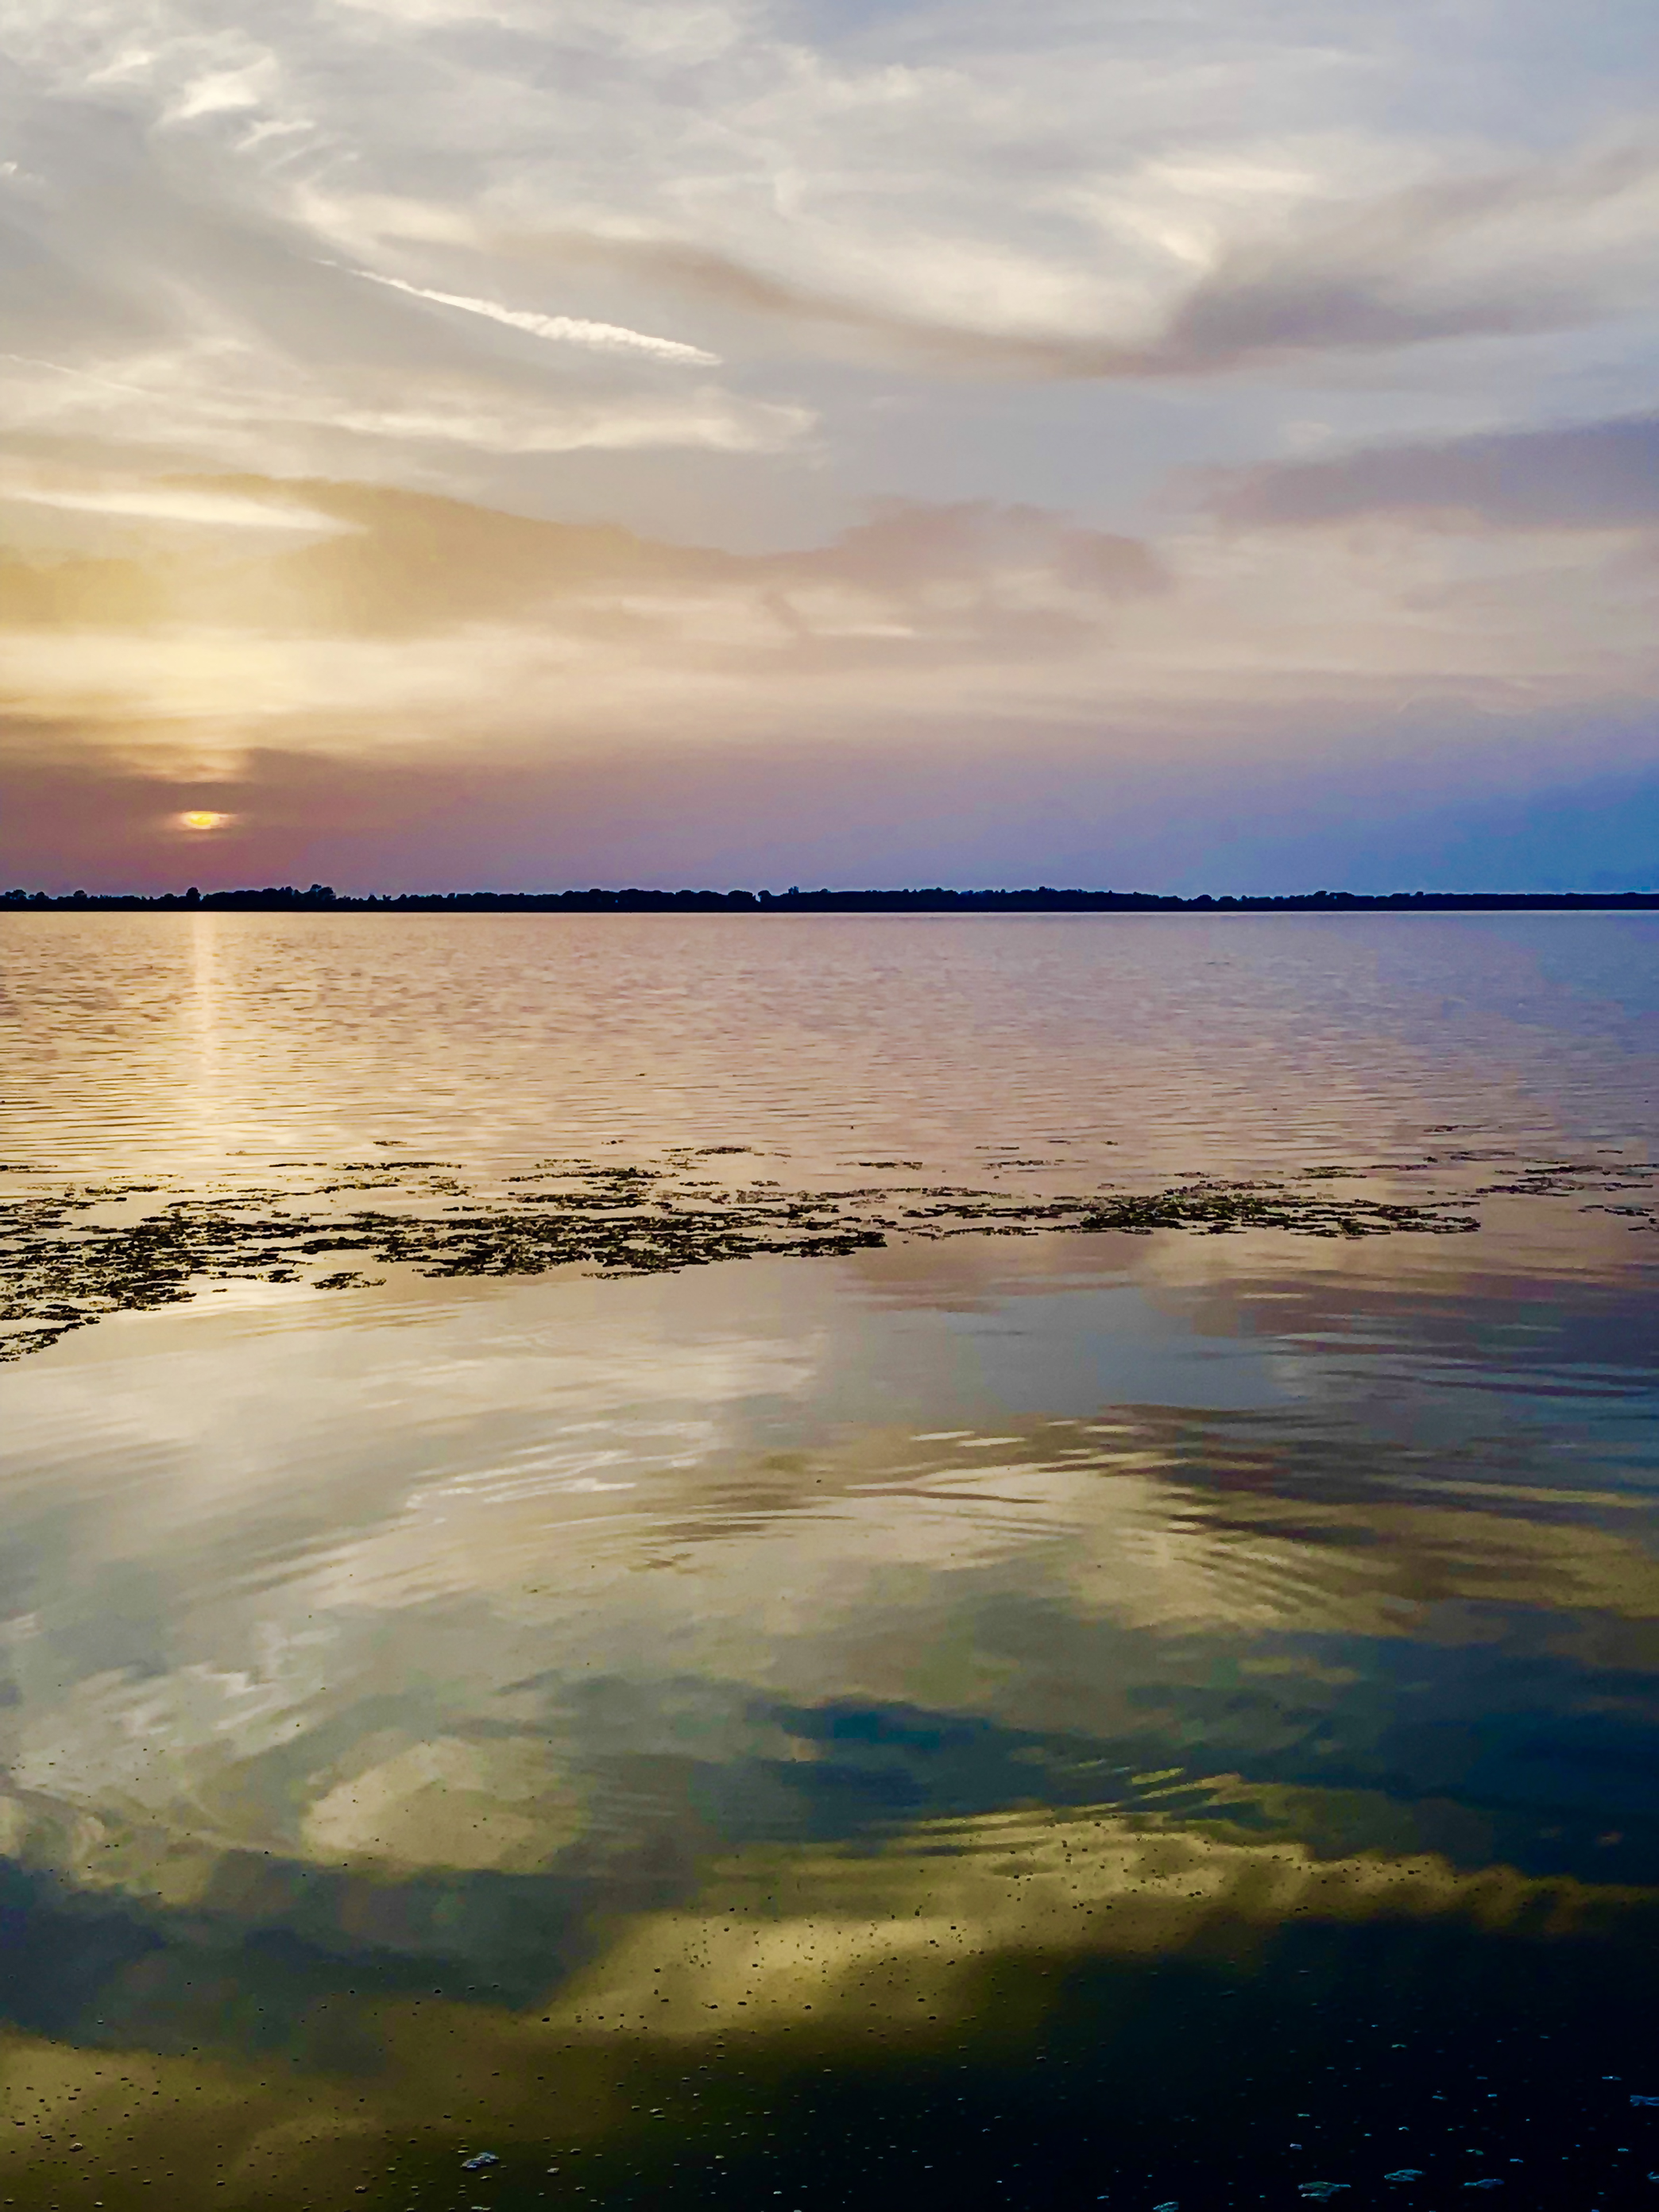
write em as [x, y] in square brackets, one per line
[566, 330]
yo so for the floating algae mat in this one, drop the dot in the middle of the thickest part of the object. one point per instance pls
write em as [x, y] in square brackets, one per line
[72, 1256]
[69, 1257]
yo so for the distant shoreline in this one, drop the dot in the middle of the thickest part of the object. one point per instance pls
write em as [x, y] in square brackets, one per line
[320, 899]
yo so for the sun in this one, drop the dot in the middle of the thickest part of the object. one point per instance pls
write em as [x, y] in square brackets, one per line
[200, 817]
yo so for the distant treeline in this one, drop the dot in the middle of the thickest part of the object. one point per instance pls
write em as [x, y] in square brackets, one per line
[287, 898]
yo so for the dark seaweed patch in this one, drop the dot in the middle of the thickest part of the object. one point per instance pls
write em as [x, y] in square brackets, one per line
[60, 1271]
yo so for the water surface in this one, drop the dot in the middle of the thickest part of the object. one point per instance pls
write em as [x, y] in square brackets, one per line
[1016, 1719]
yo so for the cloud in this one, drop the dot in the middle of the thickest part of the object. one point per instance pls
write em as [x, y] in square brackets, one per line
[425, 625]
[81, 594]
[1018, 202]
[564, 330]
[957, 581]
[789, 294]
[1586, 475]
[961, 578]
[216, 398]
[1535, 246]
[168, 297]
[196, 504]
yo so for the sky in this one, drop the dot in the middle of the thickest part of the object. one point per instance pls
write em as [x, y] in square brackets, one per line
[1182, 445]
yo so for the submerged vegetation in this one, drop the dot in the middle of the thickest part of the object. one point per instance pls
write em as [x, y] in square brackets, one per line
[70, 1257]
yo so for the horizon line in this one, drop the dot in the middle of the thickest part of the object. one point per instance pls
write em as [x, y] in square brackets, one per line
[932, 899]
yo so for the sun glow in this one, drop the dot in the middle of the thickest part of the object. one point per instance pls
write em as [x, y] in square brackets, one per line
[200, 819]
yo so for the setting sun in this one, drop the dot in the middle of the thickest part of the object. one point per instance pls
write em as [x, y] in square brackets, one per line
[200, 819]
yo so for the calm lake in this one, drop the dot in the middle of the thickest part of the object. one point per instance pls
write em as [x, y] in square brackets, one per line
[802, 1562]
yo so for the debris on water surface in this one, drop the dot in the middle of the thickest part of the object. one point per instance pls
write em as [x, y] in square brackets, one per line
[480, 2158]
[1321, 2190]
[61, 1270]
[1644, 2101]
[1405, 2173]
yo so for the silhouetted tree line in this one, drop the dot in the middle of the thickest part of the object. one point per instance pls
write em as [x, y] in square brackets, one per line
[288, 898]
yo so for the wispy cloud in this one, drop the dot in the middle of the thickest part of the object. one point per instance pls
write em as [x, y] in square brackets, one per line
[442, 617]
[1583, 475]
[1297, 274]
[201, 506]
[562, 330]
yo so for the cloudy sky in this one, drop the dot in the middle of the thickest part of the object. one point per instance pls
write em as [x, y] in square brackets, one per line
[1195, 444]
